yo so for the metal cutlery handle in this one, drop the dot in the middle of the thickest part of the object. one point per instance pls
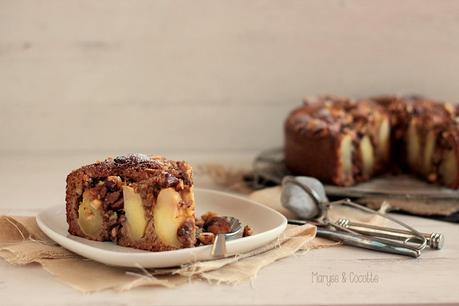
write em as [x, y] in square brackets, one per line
[366, 243]
[219, 246]
[434, 240]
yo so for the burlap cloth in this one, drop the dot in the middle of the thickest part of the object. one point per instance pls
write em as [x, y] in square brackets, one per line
[22, 242]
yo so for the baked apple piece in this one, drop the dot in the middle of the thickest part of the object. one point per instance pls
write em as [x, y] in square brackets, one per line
[448, 168]
[169, 214]
[367, 156]
[134, 210]
[90, 217]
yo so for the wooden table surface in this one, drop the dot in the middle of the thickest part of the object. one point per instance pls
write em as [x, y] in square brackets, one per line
[32, 183]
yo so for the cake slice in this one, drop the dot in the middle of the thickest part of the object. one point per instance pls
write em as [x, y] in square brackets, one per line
[135, 201]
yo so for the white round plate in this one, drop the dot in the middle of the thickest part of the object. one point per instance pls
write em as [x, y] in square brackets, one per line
[267, 224]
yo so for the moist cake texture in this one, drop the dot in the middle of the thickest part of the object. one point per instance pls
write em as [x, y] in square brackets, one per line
[135, 201]
[343, 141]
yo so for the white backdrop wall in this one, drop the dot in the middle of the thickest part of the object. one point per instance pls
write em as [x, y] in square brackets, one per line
[205, 75]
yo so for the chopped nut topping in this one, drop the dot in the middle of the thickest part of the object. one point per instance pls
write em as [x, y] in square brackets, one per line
[206, 238]
[210, 224]
[208, 215]
[248, 231]
[217, 225]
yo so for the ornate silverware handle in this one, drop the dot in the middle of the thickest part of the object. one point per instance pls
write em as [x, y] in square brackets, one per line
[434, 240]
[366, 243]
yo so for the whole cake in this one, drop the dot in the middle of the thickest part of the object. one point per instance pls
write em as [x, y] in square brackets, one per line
[343, 141]
[135, 201]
